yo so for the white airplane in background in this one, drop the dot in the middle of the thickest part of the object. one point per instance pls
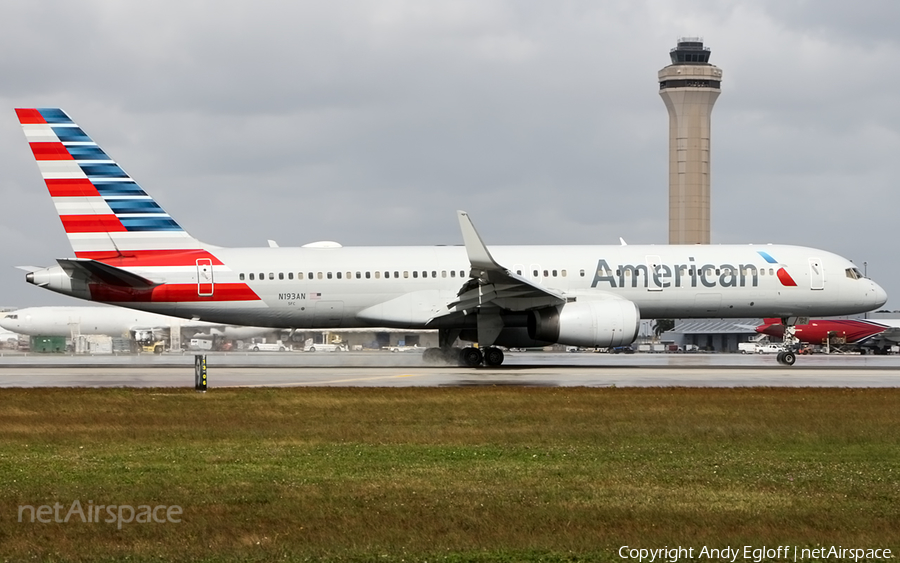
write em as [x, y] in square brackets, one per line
[112, 321]
[130, 252]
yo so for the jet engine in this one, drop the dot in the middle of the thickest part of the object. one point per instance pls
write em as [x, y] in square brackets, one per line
[607, 322]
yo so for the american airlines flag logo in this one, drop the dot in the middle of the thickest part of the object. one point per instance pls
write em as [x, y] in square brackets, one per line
[784, 277]
[315, 295]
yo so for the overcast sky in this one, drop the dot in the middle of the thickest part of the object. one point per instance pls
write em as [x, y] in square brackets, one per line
[370, 123]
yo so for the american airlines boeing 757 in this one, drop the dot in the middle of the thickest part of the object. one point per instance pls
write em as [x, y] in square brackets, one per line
[130, 252]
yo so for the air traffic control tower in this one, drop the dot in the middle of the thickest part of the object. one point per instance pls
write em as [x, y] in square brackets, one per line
[689, 87]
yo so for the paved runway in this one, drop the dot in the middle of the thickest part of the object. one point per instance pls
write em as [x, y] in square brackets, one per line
[381, 369]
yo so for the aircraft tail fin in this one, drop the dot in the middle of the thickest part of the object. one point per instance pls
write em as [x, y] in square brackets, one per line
[105, 213]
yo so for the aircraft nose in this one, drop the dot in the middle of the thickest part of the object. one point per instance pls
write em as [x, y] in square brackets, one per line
[879, 296]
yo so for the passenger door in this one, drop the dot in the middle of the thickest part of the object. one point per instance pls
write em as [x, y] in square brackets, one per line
[204, 277]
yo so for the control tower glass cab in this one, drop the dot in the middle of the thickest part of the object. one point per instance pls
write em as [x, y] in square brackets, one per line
[689, 87]
[689, 50]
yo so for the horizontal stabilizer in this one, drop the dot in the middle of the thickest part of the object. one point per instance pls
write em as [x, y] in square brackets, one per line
[104, 273]
[29, 268]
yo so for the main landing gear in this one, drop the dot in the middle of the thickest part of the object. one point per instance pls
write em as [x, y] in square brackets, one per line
[465, 357]
[469, 356]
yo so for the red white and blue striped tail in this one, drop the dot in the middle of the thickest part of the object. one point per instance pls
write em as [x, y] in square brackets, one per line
[105, 213]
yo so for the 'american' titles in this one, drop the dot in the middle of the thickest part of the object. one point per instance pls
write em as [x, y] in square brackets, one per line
[677, 275]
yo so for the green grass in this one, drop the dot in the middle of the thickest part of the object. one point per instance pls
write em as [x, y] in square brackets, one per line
[491, 474]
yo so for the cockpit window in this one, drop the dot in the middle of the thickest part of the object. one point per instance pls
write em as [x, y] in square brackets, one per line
[853, 274]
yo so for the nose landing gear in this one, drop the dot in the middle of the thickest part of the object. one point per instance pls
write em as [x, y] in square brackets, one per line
[786, 358]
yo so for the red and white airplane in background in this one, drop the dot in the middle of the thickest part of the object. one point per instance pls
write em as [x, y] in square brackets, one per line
[877, 335]
[130, 252]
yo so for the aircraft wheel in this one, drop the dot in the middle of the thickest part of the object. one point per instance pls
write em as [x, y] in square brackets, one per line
[788, 358]
[493, 356]
[470, 357]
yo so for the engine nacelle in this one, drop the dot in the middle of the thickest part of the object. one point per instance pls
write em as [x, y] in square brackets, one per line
[607, 322]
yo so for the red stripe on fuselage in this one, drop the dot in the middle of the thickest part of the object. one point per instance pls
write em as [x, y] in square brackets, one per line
[29, 116]
[92, 223]
[50, 151]
[172, 293]
[141, 258]
[72, 187]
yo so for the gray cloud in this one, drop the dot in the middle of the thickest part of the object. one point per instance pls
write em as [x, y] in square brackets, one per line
[370, 123]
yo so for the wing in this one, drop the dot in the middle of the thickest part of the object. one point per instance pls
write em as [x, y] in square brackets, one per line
[492, 285]
[888, 337]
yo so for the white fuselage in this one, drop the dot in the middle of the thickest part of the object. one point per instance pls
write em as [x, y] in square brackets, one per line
[338, 287]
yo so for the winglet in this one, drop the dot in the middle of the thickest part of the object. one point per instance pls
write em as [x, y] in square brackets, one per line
[479, 256]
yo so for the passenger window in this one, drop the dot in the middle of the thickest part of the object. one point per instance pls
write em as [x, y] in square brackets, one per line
[262, 276]
[350, 275]
[452, 273]
[377, 275]
[563, 272]
[368, 275]
[433, 274]
[396, 274]
[405, 273]
[328, 275]
[581, 272]
[319, 275]
[462, 274]
[415, 274]
[554, 273]
[290, 275]
[546, 275]
[771, 271]
[359, 275]
[338, 275]
[519, 272]
[443, 273]
[281, 275]
[251, 277]
[535, 274]
[241, 277]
